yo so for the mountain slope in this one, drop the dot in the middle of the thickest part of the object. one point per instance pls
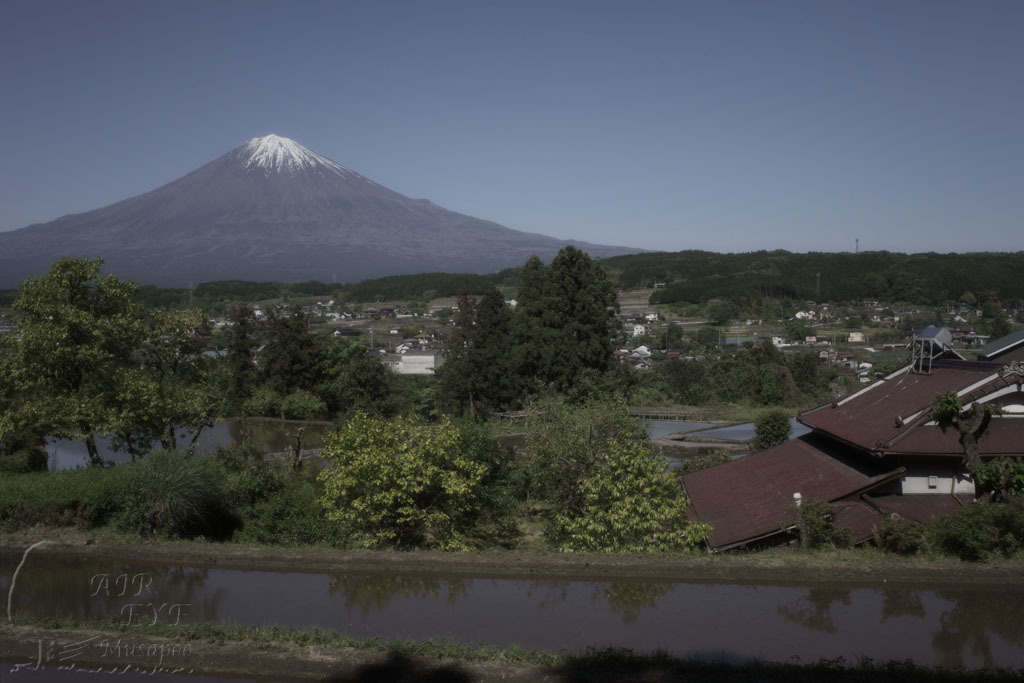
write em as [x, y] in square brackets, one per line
[273, 210]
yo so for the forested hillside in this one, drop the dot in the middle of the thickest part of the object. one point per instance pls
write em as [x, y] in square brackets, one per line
[696, 276]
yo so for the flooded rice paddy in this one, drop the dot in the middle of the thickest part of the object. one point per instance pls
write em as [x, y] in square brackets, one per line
[969, 626]
[270, 436]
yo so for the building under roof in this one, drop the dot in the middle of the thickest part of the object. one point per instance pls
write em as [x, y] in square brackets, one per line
[872, 453]
[1004, 349]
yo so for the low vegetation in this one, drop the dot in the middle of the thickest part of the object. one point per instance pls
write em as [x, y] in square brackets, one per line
[295, 650]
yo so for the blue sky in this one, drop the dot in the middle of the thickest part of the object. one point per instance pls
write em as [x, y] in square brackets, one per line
[720, 125]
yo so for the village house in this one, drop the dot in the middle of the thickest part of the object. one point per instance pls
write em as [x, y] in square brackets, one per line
[871, 454]
[419, 362]
[1005, 349]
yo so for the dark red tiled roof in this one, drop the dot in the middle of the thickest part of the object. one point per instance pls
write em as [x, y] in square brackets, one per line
[752, 497]
[881, 413]
[1004, 436]
[921, 508]
[859, 518]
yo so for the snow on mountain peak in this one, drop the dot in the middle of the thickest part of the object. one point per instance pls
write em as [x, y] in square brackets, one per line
[275, 153]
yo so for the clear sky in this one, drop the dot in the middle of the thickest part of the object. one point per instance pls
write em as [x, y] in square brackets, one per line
[725, 125]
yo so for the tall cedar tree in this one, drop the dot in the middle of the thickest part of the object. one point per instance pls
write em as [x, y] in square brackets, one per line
[565, 320]
[240, 346]
[478, 376]
[288, 359]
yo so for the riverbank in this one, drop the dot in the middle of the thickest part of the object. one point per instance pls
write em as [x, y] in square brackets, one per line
[866, 565]
[279, 654]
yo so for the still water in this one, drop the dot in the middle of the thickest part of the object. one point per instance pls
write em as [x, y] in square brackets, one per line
[269, 435]
[657, 429]
[746, 431]
[970, 626]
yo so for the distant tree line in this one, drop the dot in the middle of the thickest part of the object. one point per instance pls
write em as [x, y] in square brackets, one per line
[742, 281]
[698, 276]
[394, 288]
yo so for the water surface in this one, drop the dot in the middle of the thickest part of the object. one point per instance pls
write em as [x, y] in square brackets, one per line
[969, 626]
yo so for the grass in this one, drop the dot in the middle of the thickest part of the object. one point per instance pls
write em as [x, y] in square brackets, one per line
[309, 643]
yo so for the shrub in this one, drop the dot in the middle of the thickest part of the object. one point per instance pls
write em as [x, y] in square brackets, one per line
[816, 527]
[902, 539]
[631, 503]
[594, 464]
[702, 462]
[29, 459]
[264, 402]
[170, 495]
[980, 531]
[289, 515]
[302, 405]
[771, 428]
[86, 498]
[402, 484]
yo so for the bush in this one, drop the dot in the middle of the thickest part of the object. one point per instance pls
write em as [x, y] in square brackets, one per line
[402, 484]
[84, 498]
[816, 527]
[23, 460]
[610, 491]
[980, 531]
[631, 503]
[286, 513]
[771, 428]
[170, 495]
[897, 537]
[702, 462]
[264, 402]
[302, 405]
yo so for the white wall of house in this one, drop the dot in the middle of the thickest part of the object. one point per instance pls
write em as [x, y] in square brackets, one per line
[935, 475]
[420, 363]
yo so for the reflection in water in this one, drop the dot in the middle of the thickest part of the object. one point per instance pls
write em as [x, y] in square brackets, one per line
[901, 603]
[962, 626]
[550, 594]
[628, 598]
[814, 610]
[971, 623]
[270, 436]
[371, 593]
[95, 589]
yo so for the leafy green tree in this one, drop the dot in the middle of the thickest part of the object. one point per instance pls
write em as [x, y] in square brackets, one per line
[73, 360]
[689, 381]
[302, 405]
[349, 379]
[264, 402]
[771, 428]
[609, 490]
[172, 390]
[707, 337]
[720, 311]
[999, 327]
[630, 504]
[400, 484]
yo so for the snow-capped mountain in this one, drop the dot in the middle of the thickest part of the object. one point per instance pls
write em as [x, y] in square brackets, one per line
[272, 209]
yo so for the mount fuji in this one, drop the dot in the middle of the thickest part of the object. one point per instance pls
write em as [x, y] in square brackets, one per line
[272, 209]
